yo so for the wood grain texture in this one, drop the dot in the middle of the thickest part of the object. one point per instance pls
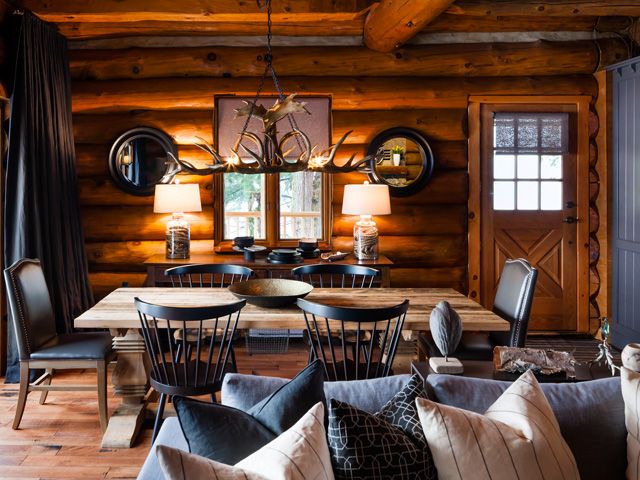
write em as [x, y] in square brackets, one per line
[348, 93]
[495, 60]
[563, 8]
[117, 309]
[185, 126]
[390, 23]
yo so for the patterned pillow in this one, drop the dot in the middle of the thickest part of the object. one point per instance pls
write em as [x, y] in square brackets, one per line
[386, 445]
[630, 383]
[300, 453]
[517, 437]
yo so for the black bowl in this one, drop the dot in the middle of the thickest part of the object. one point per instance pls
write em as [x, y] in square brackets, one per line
[243, 242]
[308, 246]
[270, 292]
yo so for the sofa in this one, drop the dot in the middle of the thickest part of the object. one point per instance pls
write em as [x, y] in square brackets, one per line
[590, 414]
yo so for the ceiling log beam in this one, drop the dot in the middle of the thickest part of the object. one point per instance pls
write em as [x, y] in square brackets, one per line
[180, 11]
[493, 60]
[392, 23]
[556, 8]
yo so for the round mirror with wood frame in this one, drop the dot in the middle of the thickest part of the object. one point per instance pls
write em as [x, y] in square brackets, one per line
[139, 159]
[401, 159]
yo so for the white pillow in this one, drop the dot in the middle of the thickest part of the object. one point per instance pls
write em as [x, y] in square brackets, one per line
[299, 453]
[518, 437]
[630, 384]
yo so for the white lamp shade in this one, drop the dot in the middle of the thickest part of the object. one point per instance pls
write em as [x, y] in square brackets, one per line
[177, 198]
[366, 199]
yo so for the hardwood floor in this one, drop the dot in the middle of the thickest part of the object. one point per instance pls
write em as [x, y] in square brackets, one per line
[61, 439]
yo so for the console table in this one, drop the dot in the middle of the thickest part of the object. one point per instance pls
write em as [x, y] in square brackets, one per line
[157, 264]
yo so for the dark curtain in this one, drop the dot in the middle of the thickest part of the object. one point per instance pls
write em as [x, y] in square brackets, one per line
[42, 217]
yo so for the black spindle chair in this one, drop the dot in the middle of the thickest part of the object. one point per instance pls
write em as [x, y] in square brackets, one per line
[207, 275]
[326, 275]
[365, 358]
[199, 372]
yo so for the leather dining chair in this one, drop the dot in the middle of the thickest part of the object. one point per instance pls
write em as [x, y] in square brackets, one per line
[513, 300]
[40, 347]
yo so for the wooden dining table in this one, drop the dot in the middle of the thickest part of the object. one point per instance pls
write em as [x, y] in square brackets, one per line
[130, 377]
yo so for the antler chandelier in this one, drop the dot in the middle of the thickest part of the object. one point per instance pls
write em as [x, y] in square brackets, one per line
[292, 152]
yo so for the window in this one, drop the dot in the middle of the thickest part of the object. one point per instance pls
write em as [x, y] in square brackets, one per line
[528, 160]
[276, 209]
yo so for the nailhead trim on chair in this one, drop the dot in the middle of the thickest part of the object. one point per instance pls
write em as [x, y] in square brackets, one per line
[20, 300]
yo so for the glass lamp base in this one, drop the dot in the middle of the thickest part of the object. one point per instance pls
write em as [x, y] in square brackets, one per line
[365, 239]
[178, 236]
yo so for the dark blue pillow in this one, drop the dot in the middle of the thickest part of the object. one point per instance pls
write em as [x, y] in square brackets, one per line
[228, 435]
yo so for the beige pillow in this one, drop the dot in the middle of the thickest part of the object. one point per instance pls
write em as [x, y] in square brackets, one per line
[630, 383]
[299, 453]
[518, 437]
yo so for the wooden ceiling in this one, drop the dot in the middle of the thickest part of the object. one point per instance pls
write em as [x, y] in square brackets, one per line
[381, 25]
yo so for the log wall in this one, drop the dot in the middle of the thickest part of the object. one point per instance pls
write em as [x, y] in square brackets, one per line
[425, 88]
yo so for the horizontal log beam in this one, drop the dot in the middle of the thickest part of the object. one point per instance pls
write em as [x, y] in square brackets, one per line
[116, 224]
[445, 187]
[392, 23]
[494, 60]
[186, 126]
[184, 10]
[318, 25]
[336, 30]
[101, 191]
[417, 251]
[408, 220]
[354, 93]
[563, 8]
[102, 283]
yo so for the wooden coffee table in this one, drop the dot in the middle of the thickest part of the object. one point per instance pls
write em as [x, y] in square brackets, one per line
[484, 369]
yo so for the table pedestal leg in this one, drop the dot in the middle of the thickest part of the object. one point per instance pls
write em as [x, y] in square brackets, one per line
[130, 381]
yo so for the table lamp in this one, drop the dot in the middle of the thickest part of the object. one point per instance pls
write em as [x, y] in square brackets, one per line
[177, 198]
[366, 200]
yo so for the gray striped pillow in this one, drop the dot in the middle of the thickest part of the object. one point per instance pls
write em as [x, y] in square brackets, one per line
[517, 437]
[299, 453]
[630, 383]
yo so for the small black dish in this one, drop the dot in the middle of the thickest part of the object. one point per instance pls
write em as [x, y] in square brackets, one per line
[308, 245]
[243, 242]
[309, 253]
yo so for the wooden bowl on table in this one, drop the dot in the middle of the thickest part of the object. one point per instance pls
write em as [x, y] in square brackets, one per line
[270, 292]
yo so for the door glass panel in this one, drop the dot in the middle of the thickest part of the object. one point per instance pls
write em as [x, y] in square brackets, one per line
[551, 166]
[503, 195]
[527, 195]
[551, 196]
[504, 166]
[527, 166]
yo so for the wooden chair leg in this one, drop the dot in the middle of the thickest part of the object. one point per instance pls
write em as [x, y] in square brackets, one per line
[101, 368]
[47, 381]
[159, 415]
[22, 394]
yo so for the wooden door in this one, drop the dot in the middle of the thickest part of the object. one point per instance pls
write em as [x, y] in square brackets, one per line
[528, 203]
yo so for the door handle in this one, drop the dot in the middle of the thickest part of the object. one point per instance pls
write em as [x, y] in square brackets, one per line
[570, 220]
